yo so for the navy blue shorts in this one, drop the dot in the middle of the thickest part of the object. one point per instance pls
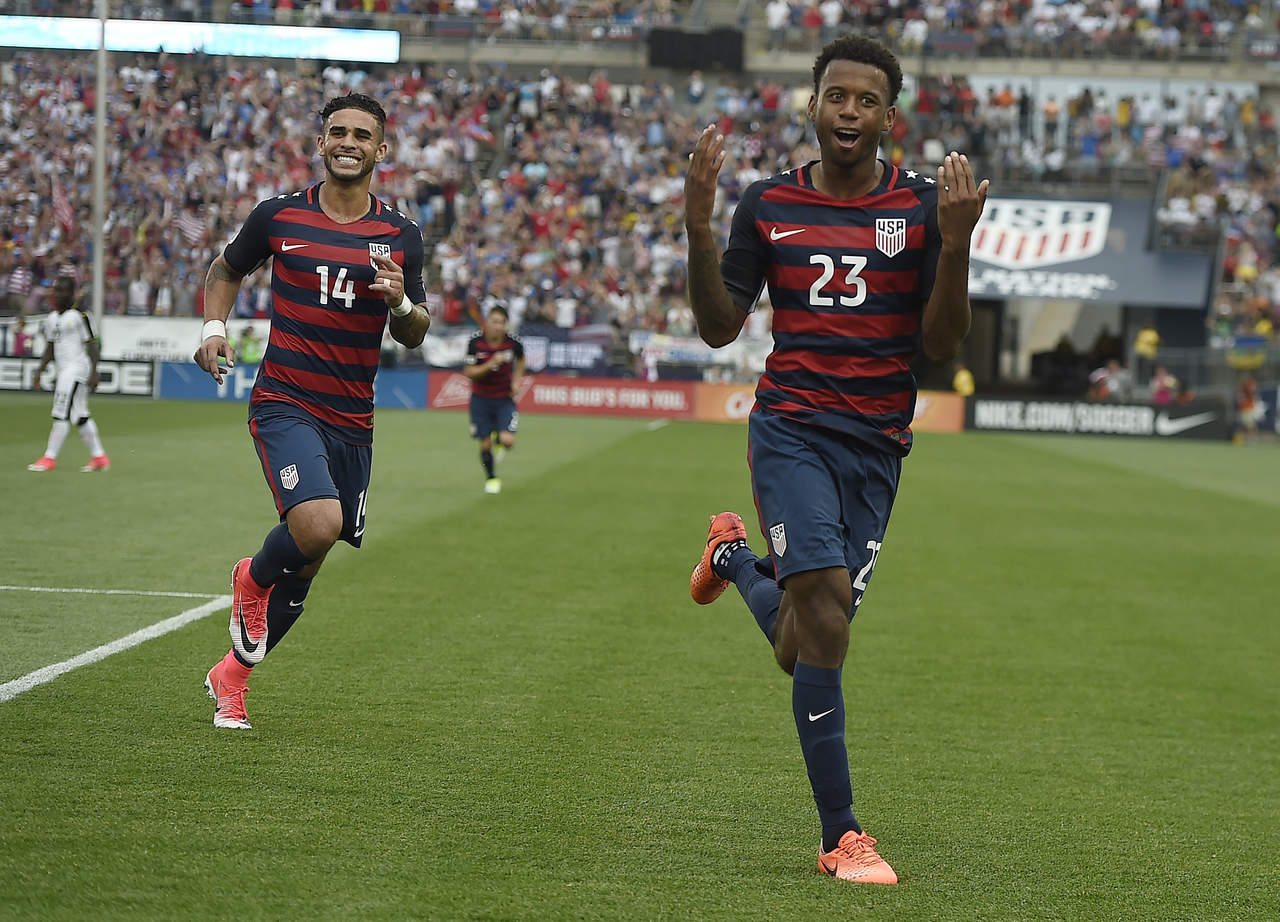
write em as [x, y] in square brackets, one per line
[823, 498]
[492, 414]
[302, 462]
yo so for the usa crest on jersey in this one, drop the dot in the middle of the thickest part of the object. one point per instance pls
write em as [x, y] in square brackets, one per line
[379, 249]
[891, 235]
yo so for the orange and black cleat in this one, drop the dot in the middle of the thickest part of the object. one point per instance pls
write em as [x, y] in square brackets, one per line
[855, 859]
[704, 586]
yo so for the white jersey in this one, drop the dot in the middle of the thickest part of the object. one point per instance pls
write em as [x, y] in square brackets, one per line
[70, 332]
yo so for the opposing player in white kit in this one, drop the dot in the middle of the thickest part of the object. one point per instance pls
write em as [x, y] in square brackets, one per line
[73, 348]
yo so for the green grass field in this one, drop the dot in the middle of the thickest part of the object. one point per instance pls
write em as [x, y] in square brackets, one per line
[1062, 686]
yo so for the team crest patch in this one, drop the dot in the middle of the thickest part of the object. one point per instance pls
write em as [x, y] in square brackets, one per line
[778, 538]
[1033, 233]
[379, 249]
[289, 476]
[891, 235]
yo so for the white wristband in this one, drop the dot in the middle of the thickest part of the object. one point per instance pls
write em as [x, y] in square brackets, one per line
[213, 328]
[403, 309]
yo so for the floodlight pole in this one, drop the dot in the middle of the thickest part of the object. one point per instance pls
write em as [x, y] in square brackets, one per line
[100, 171]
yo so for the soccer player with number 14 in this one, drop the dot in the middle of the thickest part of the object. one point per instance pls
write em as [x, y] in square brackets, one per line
[343, 262]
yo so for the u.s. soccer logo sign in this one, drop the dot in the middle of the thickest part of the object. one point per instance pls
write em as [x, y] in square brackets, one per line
[891, 235]
[379, 249]
[1028, 234]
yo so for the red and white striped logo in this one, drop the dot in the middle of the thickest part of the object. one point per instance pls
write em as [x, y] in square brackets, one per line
[1028, 234]
[891, 235]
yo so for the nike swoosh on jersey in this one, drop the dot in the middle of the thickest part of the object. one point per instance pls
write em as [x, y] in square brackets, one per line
[287, 247]
[775, 234]
[813, 716]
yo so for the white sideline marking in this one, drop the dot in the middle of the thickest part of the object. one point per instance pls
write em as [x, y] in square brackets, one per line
[177, 595]
[656, 425]
[10, 690]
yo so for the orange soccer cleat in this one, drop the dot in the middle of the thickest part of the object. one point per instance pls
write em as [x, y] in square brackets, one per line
[855, 859]
[99, 463]
[42, 464]
[704, 585]
[248, 614]
[229, 711]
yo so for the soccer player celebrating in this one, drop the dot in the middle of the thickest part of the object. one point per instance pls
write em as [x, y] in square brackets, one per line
[343, 261]
[866, 264]
[495, 365]
[73, 348]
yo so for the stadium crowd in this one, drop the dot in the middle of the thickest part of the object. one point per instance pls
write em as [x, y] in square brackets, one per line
[524, 19]
[1159, 29]
[559, 196]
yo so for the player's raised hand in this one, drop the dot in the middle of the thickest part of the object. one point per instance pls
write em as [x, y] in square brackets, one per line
[700, 181]
[215, 353]
[389, 281]
[960, 200]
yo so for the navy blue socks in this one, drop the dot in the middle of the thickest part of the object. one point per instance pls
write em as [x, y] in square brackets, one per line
[284, 606]
[817, 701]
[486, 458]
[753, 577]
[279, 555]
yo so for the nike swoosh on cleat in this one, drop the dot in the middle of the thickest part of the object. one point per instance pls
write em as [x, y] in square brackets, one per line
[287, 247]
[775, 234]
[295, 604]
[813, 716]
[249, 646]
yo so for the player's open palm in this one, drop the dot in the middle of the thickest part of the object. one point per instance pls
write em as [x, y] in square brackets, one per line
[960, 200]
[700, 182]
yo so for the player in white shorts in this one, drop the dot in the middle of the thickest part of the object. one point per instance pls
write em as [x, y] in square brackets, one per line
[72, 347]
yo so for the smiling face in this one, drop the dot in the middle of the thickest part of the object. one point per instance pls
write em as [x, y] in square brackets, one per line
[351, 146]
[850, 112]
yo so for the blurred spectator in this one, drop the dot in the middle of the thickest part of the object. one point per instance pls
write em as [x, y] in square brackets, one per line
[23, 341]
[249, 346]
[1249, 409]
[1145, 346]
[1164, 386]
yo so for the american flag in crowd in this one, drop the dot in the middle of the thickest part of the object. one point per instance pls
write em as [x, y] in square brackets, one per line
[62, 209]
[191, 225]
[20, 281]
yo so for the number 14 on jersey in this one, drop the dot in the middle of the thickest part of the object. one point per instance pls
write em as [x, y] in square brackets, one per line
[344, 289]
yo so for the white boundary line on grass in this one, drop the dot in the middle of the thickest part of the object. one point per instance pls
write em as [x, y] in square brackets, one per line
[176, 595]
[10, 690]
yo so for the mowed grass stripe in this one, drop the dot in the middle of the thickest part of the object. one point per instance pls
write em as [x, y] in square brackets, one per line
[514, 712]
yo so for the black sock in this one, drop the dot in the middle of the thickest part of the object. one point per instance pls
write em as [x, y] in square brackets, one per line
[486, 458]
[817, 701]
[285, 606]
[279, 555]
[720, 560]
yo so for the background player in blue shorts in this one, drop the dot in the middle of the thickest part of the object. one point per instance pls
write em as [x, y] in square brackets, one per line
[867, 264]
[342, 262]
[495, 365]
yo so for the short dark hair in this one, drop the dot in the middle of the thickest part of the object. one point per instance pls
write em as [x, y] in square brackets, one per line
[499, 309]
[355, 101]
[863, 51]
